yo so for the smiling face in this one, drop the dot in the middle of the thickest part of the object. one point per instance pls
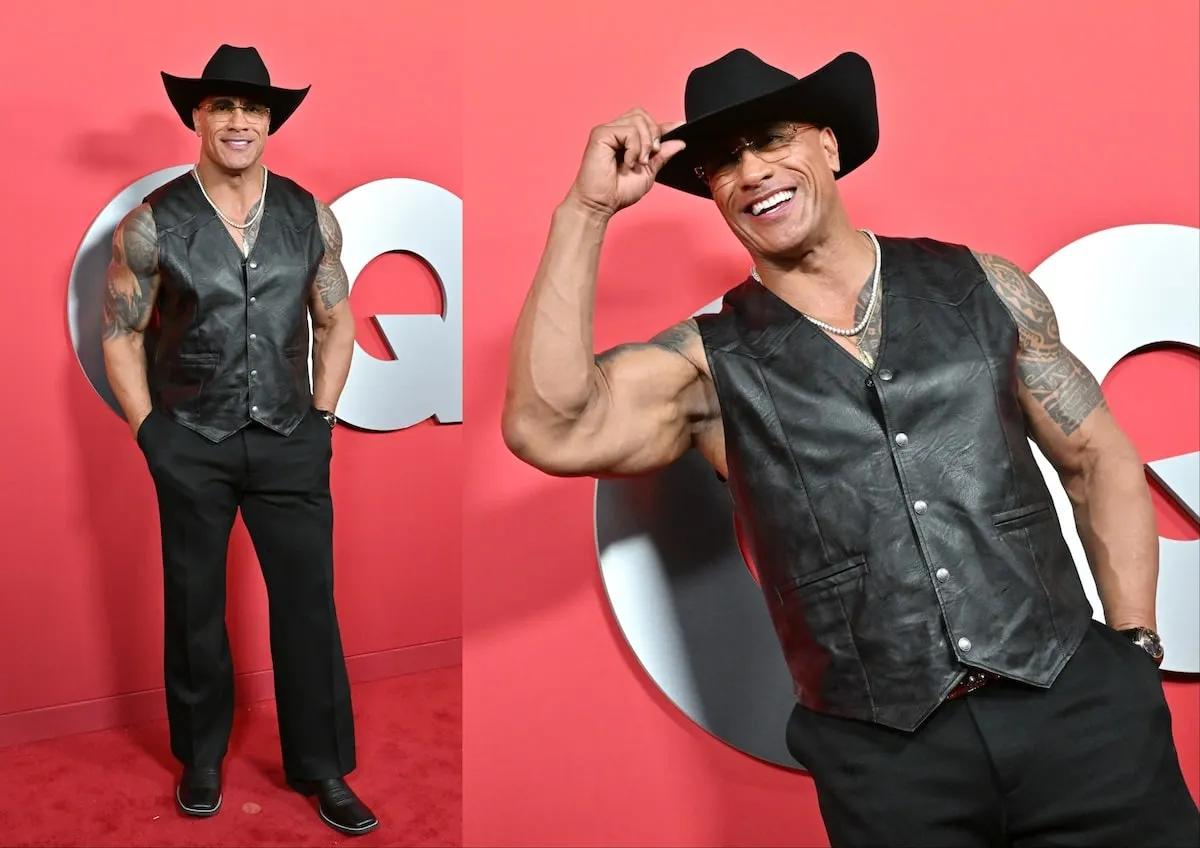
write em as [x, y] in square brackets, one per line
[233, 131]
[775, 185]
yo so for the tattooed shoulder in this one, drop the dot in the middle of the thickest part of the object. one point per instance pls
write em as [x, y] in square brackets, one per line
[679, 339]
[135, 242]
[132, 281]
[332, 284]
[1054, 377]
[331, 231]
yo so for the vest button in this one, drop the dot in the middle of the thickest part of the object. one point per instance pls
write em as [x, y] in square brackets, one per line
[254, 409]
[942, 575]
[920, 507]
[253, 264]
[964, 644]
[253, 337]
[870, 383]
[254, 373]
[254, 300]
[885, 375]
[902, 439]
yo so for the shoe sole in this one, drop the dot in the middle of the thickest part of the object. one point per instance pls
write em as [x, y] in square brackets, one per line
[349, 831]
[196, 812]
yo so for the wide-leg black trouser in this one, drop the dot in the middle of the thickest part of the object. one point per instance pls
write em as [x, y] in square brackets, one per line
[281, 485]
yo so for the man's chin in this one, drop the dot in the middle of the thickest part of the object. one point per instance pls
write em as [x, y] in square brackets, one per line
[237, 165]
[781, 244]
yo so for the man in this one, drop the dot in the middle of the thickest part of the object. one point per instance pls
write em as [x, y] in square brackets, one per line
[868, 400]
[211, 285]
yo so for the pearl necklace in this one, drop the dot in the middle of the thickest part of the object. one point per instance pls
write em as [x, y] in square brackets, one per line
[861, 325]
[258, 214]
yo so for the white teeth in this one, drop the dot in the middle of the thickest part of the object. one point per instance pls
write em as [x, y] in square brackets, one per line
[772, 201]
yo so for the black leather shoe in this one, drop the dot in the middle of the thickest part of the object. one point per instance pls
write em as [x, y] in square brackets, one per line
[338, 805]
[199, 792]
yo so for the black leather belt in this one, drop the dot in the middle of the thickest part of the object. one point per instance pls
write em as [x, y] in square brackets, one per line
[974, 680]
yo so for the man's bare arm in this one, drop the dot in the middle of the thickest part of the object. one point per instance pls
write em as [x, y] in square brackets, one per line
[570, 413]
[1098, 465]
[333, 322]
[131, 291]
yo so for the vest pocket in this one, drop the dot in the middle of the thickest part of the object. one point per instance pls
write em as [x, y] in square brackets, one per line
[1022, 516]
[189, 373]
[817, 609]
[195, 366]
[199, 359]
[827, 577]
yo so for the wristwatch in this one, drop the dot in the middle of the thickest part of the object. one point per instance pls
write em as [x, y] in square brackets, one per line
[1147, 640]
[329, 417]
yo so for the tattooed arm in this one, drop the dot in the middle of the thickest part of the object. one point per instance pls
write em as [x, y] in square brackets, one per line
[568, 412]
[132, 286]
[1098, 465]
[333, 322]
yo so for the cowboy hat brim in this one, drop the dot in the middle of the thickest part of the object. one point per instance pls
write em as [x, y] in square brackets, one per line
[840, 95]
[186, 94]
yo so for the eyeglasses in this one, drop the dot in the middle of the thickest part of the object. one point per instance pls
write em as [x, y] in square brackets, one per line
[770, 144]
[223, 109]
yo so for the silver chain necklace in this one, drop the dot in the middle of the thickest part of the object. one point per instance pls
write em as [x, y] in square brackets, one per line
[258, 214]
[861, 325]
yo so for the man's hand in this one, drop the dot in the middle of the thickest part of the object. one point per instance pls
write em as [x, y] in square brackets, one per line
[621, 161]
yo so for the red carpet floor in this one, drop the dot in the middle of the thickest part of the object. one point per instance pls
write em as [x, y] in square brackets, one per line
[115, 788]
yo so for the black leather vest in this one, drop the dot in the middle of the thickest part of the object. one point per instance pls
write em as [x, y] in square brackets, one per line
[229, 343]
[899, 523]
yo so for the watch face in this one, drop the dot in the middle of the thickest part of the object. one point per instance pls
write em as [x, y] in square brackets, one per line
[1149, 641]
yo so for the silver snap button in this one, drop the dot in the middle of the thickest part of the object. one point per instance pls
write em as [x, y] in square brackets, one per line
[942, 575]
[885, 375]
[920, 507]
[253, 337]
[902, 439]
[254, 300]
[964, 644]
[254, 373]
[254, 409]
[253, 264]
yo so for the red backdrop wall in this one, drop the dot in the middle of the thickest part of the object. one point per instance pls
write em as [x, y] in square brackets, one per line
[1013, 128]
[84, 115]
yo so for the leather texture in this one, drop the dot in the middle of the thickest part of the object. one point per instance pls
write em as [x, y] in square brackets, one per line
[339, 807]
[230, 341]
[848, 559]
[199, 792]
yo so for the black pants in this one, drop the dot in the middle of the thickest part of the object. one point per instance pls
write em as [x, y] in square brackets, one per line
[281, 485]
[1091, 761]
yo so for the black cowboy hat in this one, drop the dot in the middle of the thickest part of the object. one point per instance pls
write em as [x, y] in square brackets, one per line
[740, 88]
[233, 72]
